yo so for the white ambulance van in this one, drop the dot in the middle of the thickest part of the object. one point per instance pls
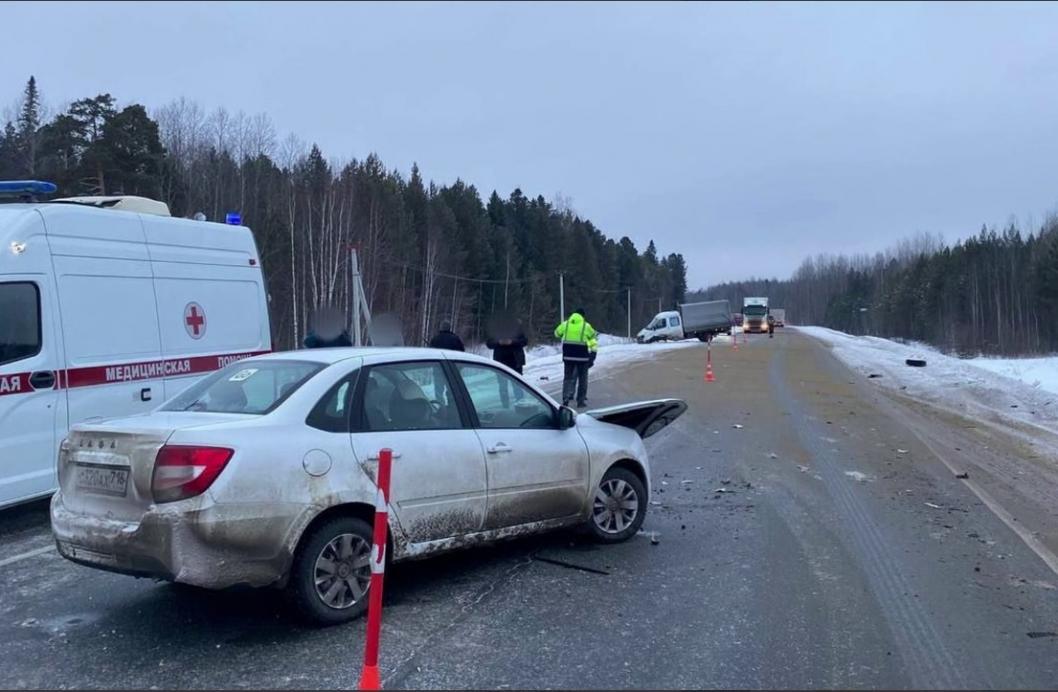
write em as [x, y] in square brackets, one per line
[108, 307]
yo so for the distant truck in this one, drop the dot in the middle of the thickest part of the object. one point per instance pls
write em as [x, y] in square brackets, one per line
[698, 320]
[778, 317]
[755, 316]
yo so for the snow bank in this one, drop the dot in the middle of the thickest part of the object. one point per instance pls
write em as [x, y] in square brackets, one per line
[1001, 390]
[543, 363]
[1041, 373]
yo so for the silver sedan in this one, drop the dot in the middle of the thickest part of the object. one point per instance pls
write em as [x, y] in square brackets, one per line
[262, 474]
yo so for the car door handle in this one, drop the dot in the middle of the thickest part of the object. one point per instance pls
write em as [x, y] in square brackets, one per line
[42, 379]
[374, 457]
[499, 448]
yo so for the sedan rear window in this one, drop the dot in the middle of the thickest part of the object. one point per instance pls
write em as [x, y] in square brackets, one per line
[255, 387]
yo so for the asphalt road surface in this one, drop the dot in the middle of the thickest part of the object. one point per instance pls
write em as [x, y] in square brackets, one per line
[808, 535]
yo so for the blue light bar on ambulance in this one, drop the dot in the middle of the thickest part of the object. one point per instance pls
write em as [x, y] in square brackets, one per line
[26, 187]
[233, 219]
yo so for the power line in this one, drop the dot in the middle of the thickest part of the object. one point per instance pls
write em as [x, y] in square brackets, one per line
[469, 279]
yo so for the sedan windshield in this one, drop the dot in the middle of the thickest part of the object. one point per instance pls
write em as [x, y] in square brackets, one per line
[246, 387]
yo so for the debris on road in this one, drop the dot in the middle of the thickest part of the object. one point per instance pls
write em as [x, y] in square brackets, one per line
[873, 375]
[901, 451]
[930, 504]
[773, 455]
[1041, 635]
[686, 481]
[857, 476]
[916, 362]
[737, 426]
[802, 468]
[723, 490]
[962, 474]
[570, 565]
[655, 503]
[725, 482]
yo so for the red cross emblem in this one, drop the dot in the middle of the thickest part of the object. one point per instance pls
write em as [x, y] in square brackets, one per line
[195, 320]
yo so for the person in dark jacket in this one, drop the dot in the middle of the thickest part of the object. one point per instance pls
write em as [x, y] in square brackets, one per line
[328, 329]
[447, 339]
[510, 351]
[312, 340]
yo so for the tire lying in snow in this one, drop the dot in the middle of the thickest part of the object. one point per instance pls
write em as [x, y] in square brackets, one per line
[619, 507]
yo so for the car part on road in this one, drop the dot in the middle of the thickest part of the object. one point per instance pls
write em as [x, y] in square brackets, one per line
[916, 362]
[619, 506]
[570, 565]
[330, 578]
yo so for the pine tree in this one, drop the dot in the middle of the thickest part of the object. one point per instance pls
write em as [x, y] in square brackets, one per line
[9, 152]
[28, 125]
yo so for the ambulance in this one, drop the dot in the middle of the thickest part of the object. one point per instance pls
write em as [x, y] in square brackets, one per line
[108, 307]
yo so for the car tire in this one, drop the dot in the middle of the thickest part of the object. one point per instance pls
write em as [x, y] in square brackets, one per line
[612, 517]
[341, 544]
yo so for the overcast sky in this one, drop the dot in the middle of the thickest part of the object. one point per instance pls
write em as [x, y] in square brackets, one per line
[744, 136]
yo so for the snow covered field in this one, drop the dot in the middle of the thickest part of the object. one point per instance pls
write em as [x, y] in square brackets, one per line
[1036, 372]
[544, 362]
[1007, 391]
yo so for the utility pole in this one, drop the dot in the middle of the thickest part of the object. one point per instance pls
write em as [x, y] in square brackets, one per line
[354, 273]
[562, 296]
[629, 308]
[360, 307]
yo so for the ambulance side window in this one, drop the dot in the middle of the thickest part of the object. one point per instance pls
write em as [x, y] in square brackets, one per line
[19, 321]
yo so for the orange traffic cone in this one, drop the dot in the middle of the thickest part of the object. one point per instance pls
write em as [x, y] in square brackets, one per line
[709, 376]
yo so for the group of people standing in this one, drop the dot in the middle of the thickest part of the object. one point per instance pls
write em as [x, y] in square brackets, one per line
[580, 344]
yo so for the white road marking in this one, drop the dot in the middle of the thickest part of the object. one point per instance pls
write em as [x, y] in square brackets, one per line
[1034, 544]
[26, 555]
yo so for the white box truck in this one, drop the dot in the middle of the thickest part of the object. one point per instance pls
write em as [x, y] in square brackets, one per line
[693, 320]
[105, 312]
[755, 316]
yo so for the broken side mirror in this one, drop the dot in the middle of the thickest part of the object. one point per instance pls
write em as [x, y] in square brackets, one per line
[567, 418]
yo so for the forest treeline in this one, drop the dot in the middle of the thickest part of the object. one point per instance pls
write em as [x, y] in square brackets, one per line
[995, 292]
[428, 253]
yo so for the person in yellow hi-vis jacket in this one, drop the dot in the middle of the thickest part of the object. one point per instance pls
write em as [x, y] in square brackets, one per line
[575, 334]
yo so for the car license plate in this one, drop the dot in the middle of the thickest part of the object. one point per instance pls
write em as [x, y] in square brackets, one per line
[105, 480]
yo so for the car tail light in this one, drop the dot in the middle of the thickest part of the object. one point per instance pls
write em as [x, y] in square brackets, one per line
[183, 471]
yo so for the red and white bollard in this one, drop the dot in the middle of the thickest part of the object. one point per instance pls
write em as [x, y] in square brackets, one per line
[370, 679]
[709, 376]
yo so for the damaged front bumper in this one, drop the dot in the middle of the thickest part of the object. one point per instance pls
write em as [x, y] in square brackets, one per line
[209, 547]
